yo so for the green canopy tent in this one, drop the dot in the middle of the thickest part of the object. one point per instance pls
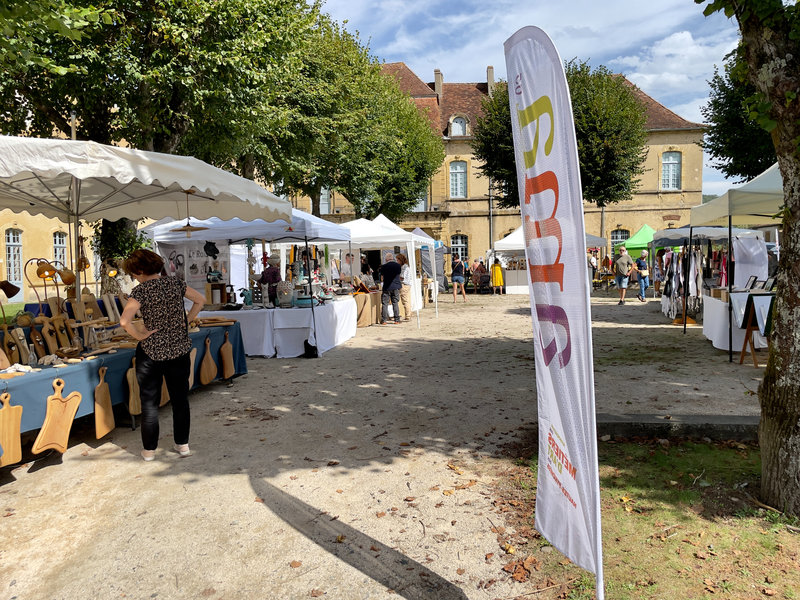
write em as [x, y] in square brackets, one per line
[638, 241]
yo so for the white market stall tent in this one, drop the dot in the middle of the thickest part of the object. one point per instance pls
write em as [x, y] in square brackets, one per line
[77, 180]
[279, 332]
[382, 233]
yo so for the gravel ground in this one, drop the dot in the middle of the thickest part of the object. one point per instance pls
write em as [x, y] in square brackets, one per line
[361, 474]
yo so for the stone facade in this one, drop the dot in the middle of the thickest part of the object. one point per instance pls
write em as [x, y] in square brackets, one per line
[447, 215]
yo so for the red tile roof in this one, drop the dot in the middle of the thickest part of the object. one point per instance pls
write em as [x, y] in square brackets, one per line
[463, 99]
[423, 96]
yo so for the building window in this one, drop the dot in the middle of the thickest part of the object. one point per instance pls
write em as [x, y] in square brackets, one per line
[619, 235]
[325, 201]
[459, 246]
[60, 247]
[458, 179]
[671, 171]
[458, 127]
[422, 204]
[14, 257]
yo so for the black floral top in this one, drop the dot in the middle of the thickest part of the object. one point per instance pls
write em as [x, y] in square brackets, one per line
[162, 309]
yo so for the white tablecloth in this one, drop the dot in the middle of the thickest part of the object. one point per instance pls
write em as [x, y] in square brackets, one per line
[282, 331]
[715, 326]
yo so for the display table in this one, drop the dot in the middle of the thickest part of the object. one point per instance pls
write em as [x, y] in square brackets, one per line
[368, 309]
[715, 326]
[281, 331]
[516, 281]
[31, 390]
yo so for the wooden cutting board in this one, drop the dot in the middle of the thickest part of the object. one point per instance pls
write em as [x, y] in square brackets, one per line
[60, 326]
[10, 419]
[192, 358]
[110, 304]
[4, 363]
[19, 336]
[226, 358]
[54, 434]
[49, 335]
[38, 342]
[134, 401]
[208, 368]
[10, 346]
[103, 413]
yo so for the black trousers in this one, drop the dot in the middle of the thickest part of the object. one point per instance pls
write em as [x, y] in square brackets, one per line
[150, 373]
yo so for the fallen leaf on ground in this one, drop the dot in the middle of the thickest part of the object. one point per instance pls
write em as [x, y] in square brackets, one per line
[317, 593]
[380, 514]
[452, 467]
[259, 500]
[295, 564]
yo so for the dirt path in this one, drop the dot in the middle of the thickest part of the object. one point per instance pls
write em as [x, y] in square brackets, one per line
[364, 471]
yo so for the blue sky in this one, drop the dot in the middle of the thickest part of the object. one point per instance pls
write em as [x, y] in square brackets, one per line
[667, 47]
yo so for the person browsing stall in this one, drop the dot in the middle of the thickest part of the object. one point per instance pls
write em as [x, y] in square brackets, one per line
[457, 277]
[390, 275]
[405, 289]
[162, 353]
[622, 272]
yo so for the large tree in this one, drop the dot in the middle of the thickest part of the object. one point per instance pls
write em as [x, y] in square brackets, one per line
[738, 145]
[609, 127]
[771, 48]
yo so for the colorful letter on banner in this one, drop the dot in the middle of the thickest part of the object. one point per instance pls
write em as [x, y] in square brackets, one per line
[568, 495]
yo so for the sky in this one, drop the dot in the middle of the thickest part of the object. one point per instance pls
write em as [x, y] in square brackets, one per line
[666, 47]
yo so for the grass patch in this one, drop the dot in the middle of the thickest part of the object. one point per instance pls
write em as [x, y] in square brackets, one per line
[678, 522]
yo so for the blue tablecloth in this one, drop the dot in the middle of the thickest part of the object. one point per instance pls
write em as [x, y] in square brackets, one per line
[31, 390]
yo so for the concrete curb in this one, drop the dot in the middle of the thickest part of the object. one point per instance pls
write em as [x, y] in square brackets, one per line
[716, 427]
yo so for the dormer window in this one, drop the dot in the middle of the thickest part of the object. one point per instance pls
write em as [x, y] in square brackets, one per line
[458, 127]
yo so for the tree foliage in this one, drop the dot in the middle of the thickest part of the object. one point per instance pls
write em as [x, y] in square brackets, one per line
[738, 145]
[609, 127]
[770, 49]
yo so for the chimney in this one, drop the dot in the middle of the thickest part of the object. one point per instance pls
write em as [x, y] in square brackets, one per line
[438, 80]
[490, 80]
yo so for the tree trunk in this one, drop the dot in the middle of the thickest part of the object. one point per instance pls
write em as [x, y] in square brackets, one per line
[774, 68]
[315, 198]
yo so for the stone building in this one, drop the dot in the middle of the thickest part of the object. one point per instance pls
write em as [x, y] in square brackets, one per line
[459, 211]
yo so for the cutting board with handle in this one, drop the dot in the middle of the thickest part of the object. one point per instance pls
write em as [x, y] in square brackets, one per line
[192, 358]
[4, 364]
[37, 339]
[226, 358]
[10, 345]
[10, 420]
[103, 413]
[54, 434]
[134, 401]
[60, 326]
[19, 336]
[208, 368]
[49, 335]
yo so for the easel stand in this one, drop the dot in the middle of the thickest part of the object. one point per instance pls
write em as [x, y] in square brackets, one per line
[752, 326]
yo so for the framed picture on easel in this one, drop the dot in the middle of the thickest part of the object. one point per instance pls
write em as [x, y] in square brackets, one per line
[751, 282]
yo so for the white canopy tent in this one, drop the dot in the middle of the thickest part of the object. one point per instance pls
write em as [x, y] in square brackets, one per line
[76, 180]
[756, 202]
[678, 236]
[515, 241]
[383, 233]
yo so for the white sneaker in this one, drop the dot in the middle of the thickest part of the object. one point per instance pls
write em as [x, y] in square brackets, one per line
[183, 450]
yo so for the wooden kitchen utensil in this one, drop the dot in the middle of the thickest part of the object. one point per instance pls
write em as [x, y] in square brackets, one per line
[134, 401]
[22, 344]
[10, 345]
[103, 413]
[4, 363]
[49, 335]
[226, 358]
[10, 420]
[192, 358]
[54, 434]
[60, 327]
[208, 368]
[38, 342]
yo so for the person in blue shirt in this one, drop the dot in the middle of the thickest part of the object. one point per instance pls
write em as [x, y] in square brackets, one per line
[644, 275]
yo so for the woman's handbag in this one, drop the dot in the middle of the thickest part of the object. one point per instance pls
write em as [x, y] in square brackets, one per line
[644, 272]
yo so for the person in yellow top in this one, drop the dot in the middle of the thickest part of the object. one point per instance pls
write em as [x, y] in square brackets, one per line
[497, 277]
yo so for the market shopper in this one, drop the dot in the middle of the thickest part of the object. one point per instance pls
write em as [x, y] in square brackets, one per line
[659, 270]
[643, 274]
[622, 271]
[271, 277]
[390, 275]
[405, 289]
[478, 270]
[497, 277]
[162, 353]
[457, 277]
